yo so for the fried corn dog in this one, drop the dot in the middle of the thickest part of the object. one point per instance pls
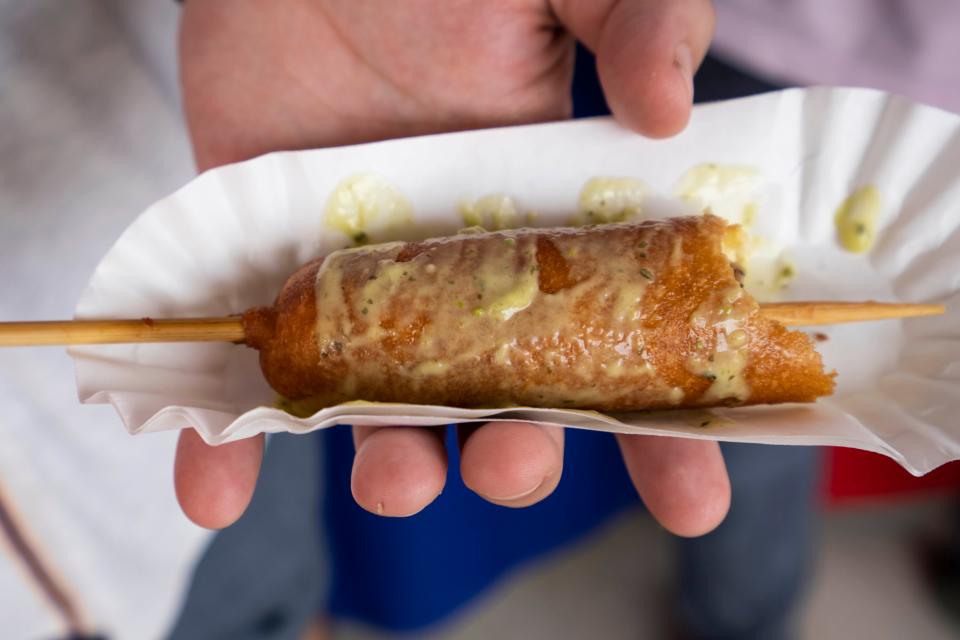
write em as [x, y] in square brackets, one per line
[618, 317]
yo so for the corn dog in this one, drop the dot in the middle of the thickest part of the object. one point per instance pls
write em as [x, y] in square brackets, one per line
[618, 317]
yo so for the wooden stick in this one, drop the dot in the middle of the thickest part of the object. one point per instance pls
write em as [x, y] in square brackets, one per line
[14, 334]
[798, 314]
[230, 329]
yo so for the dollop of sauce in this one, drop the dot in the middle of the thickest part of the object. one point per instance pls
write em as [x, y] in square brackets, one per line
[728, 190]
[610, 199]
[494, 212]
[856, 219]
[786, 271]
[366, 206]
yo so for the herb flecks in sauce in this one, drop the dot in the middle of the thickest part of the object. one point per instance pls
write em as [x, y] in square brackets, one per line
[724, 315]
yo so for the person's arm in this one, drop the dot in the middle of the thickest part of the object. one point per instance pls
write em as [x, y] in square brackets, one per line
[260, 75]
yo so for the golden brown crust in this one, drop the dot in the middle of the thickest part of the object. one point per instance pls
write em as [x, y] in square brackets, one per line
[288, 349]
[690, 272]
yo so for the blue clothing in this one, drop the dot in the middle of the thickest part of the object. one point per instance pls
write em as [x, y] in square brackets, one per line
[407, 573]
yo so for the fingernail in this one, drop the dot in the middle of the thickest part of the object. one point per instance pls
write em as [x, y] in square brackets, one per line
[518, 496]
[683, 60]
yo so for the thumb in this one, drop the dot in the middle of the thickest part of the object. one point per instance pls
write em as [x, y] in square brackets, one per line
[647, 52]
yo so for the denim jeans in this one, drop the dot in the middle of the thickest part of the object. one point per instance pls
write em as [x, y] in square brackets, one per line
[264, 577]
[743, 580]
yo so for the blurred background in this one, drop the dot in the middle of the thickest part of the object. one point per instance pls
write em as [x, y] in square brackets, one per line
[878, 571]
[93, 545]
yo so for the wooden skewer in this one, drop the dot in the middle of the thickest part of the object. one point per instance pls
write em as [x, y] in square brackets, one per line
[230, 329]
[21, 334]
[801, 314]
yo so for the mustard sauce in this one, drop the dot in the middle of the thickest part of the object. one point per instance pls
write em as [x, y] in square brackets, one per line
[856, 219]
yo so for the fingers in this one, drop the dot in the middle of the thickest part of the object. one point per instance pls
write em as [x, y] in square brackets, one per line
[214, 484]
[683, 482]
[647, 52]
[397, 471]
[513, 464]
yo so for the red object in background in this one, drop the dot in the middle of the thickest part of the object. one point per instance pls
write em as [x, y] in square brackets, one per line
[854, 475]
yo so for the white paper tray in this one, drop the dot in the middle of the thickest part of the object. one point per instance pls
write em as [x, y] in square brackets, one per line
[228, 240]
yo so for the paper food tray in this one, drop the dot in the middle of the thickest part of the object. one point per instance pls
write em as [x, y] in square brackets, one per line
[229, 239]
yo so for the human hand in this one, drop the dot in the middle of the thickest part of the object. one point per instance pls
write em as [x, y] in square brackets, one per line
[261, 75]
